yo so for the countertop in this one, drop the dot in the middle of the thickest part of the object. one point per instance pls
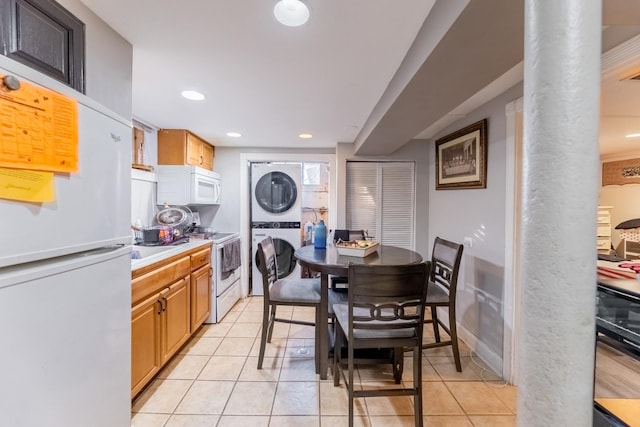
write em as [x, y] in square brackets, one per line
[613, 276]
[627, 410]
[159, 253]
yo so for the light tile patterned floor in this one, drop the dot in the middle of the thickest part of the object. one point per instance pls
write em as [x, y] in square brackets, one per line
[214, 382]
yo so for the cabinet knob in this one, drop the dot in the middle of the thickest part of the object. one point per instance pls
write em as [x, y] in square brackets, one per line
[11, 82]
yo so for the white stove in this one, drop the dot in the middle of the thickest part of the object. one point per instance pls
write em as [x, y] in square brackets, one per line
[225, 286]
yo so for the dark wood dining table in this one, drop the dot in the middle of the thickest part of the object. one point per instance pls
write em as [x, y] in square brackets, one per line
[329, 262]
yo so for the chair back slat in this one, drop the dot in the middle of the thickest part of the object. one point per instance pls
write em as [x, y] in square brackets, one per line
[387, 297]
[267, 263]
[348, 235]
[445, 261]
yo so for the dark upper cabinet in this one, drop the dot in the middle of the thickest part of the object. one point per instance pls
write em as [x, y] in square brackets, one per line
[45, 36]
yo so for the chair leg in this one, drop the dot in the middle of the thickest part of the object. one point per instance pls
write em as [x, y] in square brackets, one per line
[453, 330]
[263, 335]
[398, 364]
[337, 353]
[417, 384]
[350, 382]
[434, 320]
[271, 321]
[316, 348]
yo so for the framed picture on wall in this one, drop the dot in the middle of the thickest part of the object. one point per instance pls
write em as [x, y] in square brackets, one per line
[461, 158]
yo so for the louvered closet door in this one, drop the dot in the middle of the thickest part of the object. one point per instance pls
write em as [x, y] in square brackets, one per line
[381, 199]
[398, 204]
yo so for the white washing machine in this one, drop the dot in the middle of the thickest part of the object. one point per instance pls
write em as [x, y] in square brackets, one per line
[286, 239]
[276, 192]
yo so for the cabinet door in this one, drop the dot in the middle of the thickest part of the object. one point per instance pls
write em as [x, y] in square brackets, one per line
[200, 296]
[145, 342]
[194, 150]
[207, 156]
[176, 321]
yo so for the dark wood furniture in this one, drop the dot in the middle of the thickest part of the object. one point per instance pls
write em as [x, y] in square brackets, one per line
[44, 35]
[617, 325]
[340, 282]
[618, 307]
[385, 310]
[287, 292]
[445, 265]
[329, 262]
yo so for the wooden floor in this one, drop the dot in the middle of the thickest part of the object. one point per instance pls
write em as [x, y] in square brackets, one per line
[617, 374]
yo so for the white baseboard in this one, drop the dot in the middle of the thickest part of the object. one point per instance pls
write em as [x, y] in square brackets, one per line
[488, 356]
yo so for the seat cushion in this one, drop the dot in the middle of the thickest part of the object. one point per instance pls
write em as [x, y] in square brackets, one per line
[295, 291]
[341, 311]
[436, 294]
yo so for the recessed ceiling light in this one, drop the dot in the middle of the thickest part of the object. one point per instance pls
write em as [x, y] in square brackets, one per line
[234, 134]
[192, 95]
[291, 13]
[305, 135]
[633, 135]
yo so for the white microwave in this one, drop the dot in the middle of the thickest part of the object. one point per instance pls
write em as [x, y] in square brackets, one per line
[187, 185]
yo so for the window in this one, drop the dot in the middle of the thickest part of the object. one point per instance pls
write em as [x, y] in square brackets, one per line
[381, 200]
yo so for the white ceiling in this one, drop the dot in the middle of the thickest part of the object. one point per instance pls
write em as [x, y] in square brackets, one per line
[260, 78]
[350, 74]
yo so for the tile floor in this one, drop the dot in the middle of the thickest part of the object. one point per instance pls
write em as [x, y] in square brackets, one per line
[213, 381]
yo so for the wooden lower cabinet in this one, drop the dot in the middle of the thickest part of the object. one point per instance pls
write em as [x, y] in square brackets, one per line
[200, 296]
[145, 342]
[175, 318]
[170, 300]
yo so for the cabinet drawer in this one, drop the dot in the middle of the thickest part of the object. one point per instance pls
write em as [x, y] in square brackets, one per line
[159, 278]
[604, 231]
[200, 258]
[604, 243]
[604, 219]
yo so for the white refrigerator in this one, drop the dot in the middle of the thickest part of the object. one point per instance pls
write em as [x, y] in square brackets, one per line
[65, 283]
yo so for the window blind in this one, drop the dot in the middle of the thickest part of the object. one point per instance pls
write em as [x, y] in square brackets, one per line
[381, 199]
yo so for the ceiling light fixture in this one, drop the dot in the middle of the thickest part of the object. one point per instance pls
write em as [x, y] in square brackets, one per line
[632, 135]
[305, 136]
[291, 13]
[192, 95]
[234, 134]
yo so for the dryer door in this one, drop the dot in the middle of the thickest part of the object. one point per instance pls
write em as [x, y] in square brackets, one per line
[276, 192]
[284, 257]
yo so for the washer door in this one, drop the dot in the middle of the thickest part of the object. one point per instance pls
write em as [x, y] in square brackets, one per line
[276, 192]
[284, 257]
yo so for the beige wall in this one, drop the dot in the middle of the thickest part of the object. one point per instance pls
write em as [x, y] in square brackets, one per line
[625, 200]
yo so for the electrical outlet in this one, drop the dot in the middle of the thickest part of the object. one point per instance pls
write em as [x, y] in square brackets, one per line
[468, 241]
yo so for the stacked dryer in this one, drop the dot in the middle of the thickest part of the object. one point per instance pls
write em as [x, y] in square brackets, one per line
[276, 211]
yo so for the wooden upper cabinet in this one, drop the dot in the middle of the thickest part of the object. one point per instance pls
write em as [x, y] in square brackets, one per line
[181, 147]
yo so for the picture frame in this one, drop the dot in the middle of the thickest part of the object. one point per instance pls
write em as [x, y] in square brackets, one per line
[461, 158]
[621, 172]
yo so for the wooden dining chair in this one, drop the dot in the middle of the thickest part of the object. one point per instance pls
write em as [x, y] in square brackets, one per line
[283, 292]
[289, 291]
[385, 310]
[441, 292]
[339, 283]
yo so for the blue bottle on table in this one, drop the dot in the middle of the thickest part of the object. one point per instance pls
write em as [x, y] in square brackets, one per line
[320, 235]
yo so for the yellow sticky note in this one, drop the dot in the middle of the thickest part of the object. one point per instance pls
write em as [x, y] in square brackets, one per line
[26, 185]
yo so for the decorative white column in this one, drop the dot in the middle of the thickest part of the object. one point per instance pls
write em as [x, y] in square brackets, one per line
[560, 192]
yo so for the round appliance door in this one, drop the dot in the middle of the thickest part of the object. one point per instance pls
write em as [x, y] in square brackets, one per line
[276, 192]
[284, 257]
